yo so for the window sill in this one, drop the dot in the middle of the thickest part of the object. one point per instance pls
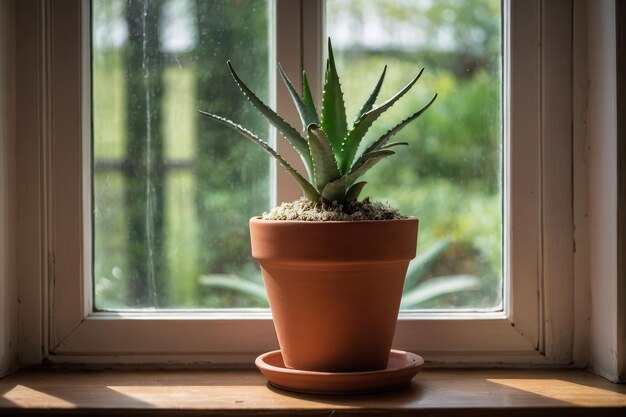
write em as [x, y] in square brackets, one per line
[245, 392]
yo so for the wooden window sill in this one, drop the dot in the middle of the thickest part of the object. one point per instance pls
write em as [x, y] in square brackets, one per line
[245, 392]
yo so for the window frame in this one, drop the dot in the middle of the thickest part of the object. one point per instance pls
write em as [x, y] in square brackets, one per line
[535, 327]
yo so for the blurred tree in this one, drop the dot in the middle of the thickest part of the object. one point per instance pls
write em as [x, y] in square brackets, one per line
[143, 164]
[459, 43]
[450, 175]
[230, 173]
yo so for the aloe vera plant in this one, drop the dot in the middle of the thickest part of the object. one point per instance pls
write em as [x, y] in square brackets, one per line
[329, 150]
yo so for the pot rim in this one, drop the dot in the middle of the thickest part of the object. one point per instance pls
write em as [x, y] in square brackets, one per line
[260, 219]
[304, 242]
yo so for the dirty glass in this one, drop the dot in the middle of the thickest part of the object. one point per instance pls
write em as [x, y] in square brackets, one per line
[450, 175]
[173, 192]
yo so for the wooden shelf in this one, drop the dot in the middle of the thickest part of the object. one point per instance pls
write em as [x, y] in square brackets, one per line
[245, 392]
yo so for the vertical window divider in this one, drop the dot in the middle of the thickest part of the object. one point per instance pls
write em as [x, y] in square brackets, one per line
[87, 170]
[313, 45]
[288, 46]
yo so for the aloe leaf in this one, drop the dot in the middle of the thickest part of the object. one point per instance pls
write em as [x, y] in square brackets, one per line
[438, 287]
[289, 132]
[233, 283]
[307, 97]
[368, 161]
[392, 144]
[380, 142]
[353, 192]
[324, 164]
[354, 137]
[303, 110]
[419, 267]
[369, 103]
[333, 107]
[336, 190]
[309, 190]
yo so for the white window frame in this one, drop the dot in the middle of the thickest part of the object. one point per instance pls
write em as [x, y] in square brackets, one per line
[56, 323]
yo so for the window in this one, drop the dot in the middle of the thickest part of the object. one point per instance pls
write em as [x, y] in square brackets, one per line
[531, 327]
[173, 191]
[450, 174]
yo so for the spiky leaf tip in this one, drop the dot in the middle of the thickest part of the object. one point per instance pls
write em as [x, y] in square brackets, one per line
[369, 103]
[289, 132]
[333, 120]
[309, 190]
[307, 97]
[358, 131]
[382, 141]
[306, 115]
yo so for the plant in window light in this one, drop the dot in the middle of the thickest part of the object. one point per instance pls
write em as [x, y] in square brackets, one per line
[328, 149]
[333, 266]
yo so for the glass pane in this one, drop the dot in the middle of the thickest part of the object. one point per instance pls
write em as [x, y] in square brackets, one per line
[173, 191]
[450, 176]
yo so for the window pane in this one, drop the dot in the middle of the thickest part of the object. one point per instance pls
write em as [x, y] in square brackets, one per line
[173, 191]
[450, 174]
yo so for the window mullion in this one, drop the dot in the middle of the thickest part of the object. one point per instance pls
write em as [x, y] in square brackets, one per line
[288, 35]
[313, 41]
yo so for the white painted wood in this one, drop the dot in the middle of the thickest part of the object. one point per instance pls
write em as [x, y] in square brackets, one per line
[484, 339]
[216, 340]
[602, 136]
[288, 52]
[514, 336]
[580, 74]
[522, 168]
[556, 154]
[8, 215]
[313, 45]
[32, 249]
[65, 232]
[620, 68]
[87, 242]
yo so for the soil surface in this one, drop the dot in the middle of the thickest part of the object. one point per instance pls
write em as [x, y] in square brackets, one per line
[307, 210]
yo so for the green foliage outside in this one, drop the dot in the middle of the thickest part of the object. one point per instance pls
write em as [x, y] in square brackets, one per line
[213, 181]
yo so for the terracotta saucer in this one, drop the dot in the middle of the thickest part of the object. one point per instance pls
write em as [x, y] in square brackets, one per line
[401, 369]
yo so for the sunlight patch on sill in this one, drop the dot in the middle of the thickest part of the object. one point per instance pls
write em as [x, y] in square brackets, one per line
[222, 397]
[562, 391]
[24, 396]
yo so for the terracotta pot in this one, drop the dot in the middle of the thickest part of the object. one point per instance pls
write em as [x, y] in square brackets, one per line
[334, 288]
